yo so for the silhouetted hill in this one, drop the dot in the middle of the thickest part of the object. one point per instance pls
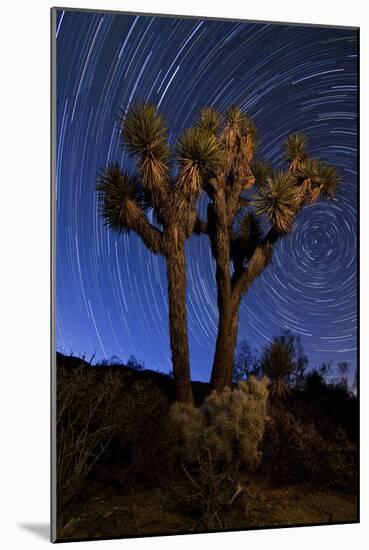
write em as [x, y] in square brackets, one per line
[132, 375]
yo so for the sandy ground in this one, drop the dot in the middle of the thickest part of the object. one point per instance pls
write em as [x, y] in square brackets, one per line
[117, 513]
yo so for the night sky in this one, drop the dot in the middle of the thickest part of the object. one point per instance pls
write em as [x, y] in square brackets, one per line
[111, 291]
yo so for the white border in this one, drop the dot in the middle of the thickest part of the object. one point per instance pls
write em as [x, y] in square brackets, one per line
[25, 228]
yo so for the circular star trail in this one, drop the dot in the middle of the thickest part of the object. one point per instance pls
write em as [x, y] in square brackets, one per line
[111, 291]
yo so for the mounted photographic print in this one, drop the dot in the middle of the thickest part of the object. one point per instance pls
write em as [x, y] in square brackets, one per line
[204, 273]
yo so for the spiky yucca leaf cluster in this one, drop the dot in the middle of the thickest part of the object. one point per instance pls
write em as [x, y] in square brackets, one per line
[119, 196]
[251, 132]
[145, 132]
[316, 179]
[209, 121]
[198, 156]
[239, 121]
[295, 150]
[245, 154]
[261, 171]
[277, 199]
[330, 179]
[236, 119]
[238, 139]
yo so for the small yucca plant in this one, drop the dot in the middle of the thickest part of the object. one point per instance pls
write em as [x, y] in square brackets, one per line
[277, 363]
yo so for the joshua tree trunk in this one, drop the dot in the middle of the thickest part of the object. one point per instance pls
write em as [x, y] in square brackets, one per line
[176, 270]
[229, 301]
[221, 375]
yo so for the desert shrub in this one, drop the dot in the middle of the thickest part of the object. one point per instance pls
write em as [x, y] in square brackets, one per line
[213, 444]
[339, 467]
[295, 452]
[87, 419]
[331, 406]
[291, 450]
[134, 363]
[139, 449]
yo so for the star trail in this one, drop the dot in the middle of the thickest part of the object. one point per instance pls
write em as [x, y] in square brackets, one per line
[111, 291]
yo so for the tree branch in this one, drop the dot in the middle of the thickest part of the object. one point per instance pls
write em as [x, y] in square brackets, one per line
[235, 202]
[221, 231]
[200, 227]
[138, 222]
[243, 278]
[242, 203]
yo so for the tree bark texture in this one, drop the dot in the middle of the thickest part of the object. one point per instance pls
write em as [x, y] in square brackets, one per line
[222, 371]
[176, 271]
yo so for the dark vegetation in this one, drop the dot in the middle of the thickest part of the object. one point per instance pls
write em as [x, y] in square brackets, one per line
[132, 460]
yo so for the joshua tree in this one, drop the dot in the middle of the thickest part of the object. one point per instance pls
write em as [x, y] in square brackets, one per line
[215, 156]
[126, 198]
[241, 249]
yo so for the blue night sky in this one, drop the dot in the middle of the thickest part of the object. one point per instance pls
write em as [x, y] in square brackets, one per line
[111, 291]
